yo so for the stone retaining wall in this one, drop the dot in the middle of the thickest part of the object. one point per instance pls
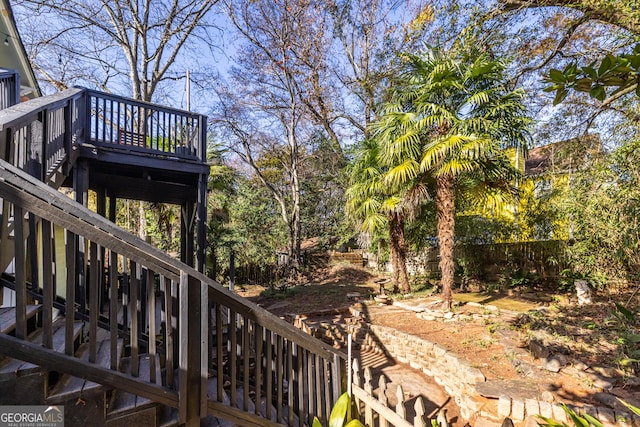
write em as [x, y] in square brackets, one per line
[458, 377]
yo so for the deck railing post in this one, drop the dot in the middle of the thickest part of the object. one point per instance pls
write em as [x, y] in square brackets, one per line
[202, 135]
[4, 138]
[201, 226]
[44, 141]
[192, 347]
[68, 127]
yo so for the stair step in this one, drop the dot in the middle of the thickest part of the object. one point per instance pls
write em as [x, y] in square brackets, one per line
[212, 391]
[124, 403]
[168, 417]
[70, 388]
[10, 368]
[8, 317]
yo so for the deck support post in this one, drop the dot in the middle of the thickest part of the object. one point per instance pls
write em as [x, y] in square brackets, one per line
[187, 222]
[111, 216]
[81, 190]
[192, 348]
[201, 225]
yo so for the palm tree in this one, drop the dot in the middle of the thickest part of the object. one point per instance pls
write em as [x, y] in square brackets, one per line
[375, 206]
[452, 116]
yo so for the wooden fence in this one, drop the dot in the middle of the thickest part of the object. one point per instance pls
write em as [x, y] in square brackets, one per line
[490, 261]
[375, 411]
[545, 258]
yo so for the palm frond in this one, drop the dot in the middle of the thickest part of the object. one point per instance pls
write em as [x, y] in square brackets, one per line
[400, 174]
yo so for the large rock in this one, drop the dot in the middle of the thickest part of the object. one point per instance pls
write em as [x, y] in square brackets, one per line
[516, 389]
[538, 350]
[583, 292]
[554, 362]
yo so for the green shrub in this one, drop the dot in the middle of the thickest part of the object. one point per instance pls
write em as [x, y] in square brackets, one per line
[584, 420]
[340, 414]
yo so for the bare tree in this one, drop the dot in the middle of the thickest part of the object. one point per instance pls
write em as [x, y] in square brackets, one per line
[110, 44]
[278, 96]
[305, 67]
[370, 34]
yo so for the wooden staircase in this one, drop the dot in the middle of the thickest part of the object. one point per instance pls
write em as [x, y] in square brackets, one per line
[116, 330]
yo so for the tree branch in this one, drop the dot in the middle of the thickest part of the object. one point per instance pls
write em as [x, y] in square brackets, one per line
[621, 14]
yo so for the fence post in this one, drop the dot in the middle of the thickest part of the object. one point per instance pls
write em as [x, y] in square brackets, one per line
[418, 421]
[368, 412]
[382, 398]
[400, 409]
[355, 366]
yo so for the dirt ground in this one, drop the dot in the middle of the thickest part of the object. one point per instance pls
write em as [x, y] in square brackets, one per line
[496, 331]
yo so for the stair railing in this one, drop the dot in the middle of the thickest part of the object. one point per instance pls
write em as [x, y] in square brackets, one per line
[192, 329]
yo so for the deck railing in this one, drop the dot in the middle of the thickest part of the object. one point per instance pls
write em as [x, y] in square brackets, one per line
[138, 126]
[9, 88]
[39, 135]
[218, 353]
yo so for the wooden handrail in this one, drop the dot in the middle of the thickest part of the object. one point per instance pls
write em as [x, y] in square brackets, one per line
[101, 119]
[27, 112]
[138, 126]
[37, 135]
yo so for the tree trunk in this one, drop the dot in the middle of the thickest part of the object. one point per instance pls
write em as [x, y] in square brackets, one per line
[393, 252]
[396, 236]
[445, 210]
[142, 221]
[294, 249]
[214, 263]
[295, 226]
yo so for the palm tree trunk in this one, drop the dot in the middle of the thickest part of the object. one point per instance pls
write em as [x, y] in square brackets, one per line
[394, 261]
[396, 236]
[445, 210]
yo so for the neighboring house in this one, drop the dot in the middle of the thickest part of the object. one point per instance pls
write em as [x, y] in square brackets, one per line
[539, 213]
[13, 55]
[549, 172]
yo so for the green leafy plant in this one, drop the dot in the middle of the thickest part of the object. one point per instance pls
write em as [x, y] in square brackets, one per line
[630, 338]
[614, 72]
[340, 414]
[522, 278]
[567, 280]
[584, 420]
